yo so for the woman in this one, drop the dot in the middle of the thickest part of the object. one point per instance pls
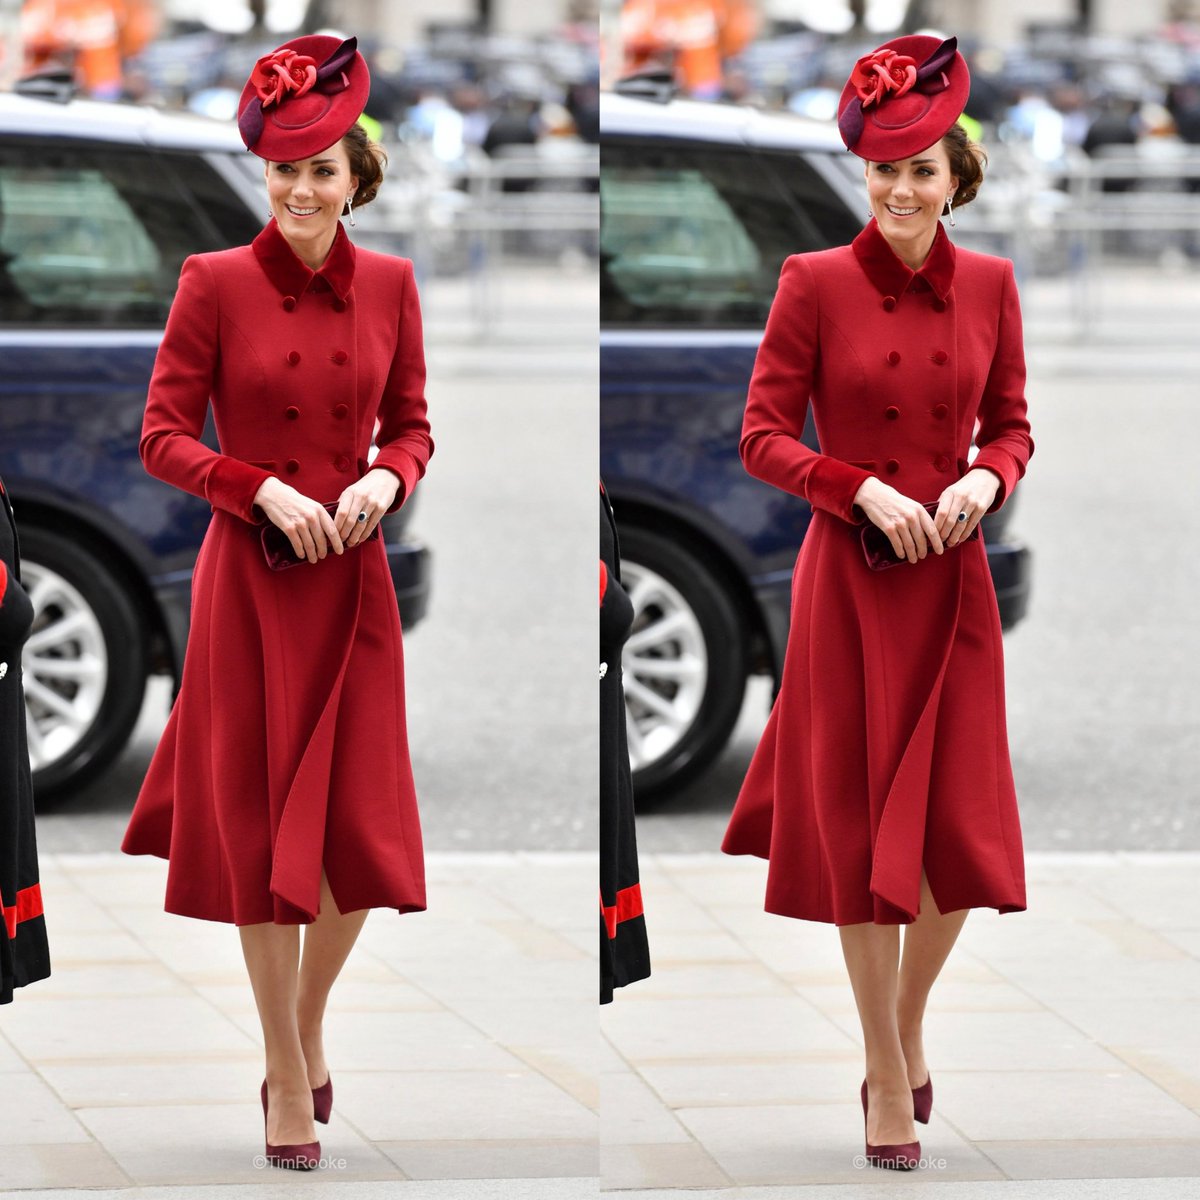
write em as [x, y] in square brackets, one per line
[24, 954]
[624, 950]
[281, 791]
[881, 790]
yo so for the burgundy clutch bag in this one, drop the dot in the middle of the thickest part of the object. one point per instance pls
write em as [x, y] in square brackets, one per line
[277, 550]
[878, 550]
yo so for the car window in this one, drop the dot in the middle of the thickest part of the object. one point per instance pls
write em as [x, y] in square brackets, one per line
[695, 235]
[90, 236]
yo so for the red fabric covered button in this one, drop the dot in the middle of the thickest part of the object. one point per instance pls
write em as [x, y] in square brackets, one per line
[940, 411]
[291, 412]
[939, 305]
[893, 466]
[340, 356]
[289, 303]
[893, 357]
[889, 303]
[293, 357]
[339, 305]
[942, 463]
[341, 410]
[292, 466]
[891, 412]
[342, 463]
[940, 356]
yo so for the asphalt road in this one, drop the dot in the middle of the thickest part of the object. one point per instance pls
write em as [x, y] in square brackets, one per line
[500, 676]
[1103, 695]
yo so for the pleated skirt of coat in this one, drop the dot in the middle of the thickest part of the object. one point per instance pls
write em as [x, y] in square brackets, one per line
[886, 750]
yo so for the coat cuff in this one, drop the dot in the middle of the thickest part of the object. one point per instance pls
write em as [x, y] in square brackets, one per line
[833, 484]
[1002, 465]
[402, 464]
[232, 485]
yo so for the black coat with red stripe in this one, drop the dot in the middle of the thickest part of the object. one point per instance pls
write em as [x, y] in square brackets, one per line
[624, 953]
[24, 955]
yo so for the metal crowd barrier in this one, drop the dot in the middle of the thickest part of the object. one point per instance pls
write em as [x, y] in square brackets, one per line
[478, 217]
[1087, 215]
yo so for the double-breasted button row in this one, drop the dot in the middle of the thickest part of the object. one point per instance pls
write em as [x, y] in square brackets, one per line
[341, 463]
[289, 304]
[939, 411]
[338, 356]
[339, 411]
[889, 304]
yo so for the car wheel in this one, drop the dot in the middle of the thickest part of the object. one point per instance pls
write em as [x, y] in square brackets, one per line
[684, 664]
[84, 663]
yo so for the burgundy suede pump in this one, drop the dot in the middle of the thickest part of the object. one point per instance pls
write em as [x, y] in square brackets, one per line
[323, 1101]
[304, 1156]
[923, 1101]
[901, 1156]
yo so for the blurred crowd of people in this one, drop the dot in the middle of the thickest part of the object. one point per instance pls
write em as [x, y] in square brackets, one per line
[461, 88]
[1060, 90]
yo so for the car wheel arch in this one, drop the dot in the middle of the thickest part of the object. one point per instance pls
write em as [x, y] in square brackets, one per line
[34, 512]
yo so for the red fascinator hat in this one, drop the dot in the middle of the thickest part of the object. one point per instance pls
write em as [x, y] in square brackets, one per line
[303, 97]
[903, 97]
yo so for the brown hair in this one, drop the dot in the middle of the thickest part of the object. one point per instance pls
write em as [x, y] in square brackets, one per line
[967, 161]
[367, 161]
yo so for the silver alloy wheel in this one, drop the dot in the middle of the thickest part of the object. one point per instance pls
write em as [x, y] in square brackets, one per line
[65, 663]
[665, 665]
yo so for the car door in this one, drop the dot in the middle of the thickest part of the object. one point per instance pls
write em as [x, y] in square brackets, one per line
[92, 235]
[693, 235]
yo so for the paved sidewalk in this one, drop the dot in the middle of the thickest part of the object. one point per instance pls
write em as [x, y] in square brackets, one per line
[1064, 1043]
[463, 1043]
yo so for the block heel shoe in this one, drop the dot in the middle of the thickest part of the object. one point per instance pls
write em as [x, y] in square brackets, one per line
[923, 1101]
[901, 1156]
[323, 1101]
[304, 1156]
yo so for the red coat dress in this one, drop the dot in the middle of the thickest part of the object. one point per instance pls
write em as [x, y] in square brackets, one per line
[286, 747]
[886, 748]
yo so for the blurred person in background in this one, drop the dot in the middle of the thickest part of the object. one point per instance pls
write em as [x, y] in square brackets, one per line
[281, 791]
[881, 792]
[93, 38]
[695, 36]
[24, 952]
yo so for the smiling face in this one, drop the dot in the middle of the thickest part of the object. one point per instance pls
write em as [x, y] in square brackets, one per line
[307, 197]
[907, 197]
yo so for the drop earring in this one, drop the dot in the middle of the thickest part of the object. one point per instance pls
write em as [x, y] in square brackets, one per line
[949, 210]
[349, 209]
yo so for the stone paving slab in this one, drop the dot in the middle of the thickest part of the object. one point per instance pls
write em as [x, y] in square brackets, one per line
[464, 1043]
[1063, 1041]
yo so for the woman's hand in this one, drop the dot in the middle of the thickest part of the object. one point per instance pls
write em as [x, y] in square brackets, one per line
[972, 494]
[372, 494]
[308, 526]
[908, 526]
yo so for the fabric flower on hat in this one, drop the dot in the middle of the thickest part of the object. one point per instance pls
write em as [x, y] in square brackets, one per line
[883, 73]
[283, 73]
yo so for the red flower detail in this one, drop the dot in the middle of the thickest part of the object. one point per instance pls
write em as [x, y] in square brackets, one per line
[281, 74]
[881, 74]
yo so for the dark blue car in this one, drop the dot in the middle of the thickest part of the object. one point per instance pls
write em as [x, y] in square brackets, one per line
[700, 205]
[99, 205]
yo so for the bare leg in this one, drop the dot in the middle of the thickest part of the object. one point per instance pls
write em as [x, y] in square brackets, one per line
[327, 944]
[872, 952]
[271, 952]
[927, 944]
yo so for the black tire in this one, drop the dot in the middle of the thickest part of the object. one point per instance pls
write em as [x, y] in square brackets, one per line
[726, 644]
[122, 629]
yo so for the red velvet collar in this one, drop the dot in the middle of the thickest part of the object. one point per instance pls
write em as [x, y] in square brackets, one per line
[891, 276]
[291, 276]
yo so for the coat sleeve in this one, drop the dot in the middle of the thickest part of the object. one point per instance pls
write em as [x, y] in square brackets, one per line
[177, 403]
[777, 404]
[403, 438]
[1003, 437]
